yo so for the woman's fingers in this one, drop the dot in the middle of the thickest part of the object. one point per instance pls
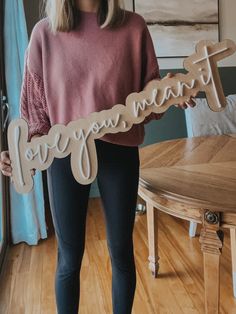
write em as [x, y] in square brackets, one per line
[5, 158]
[32, 171]
[191, 102]
[169, 75]
[5, 163]
[6, 173]
[184, 105]
[6, 169]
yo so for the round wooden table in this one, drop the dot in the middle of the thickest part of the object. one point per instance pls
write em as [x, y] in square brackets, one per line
[194, 179]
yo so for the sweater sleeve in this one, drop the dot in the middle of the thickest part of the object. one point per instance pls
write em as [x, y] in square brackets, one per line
[150, 68]
[33, 106]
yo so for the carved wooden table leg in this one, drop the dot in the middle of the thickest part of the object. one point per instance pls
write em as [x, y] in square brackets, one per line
[233, 257]
[152, 215]
[211, 239]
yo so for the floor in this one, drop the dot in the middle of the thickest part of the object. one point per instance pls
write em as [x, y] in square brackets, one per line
[27, 282]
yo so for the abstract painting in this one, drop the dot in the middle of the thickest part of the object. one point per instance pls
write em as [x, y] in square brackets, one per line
[177, 25]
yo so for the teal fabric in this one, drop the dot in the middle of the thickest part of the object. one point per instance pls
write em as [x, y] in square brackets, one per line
[27, 211]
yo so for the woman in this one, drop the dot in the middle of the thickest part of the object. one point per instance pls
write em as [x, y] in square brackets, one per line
[86, 56]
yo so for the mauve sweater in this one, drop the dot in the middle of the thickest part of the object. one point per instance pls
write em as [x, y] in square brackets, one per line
[72, 74]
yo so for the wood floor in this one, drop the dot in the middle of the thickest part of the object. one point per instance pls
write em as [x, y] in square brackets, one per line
[27, 283]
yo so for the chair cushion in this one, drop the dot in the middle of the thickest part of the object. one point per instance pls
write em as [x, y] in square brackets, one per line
[202, 121]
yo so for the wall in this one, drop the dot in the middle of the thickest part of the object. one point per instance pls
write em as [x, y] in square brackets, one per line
[32, 13]
[228, 26]
[173, 123]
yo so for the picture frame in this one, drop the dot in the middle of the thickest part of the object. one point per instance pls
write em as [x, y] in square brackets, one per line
[172, 35]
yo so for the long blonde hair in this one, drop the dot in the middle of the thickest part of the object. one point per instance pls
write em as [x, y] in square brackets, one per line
[63, 14]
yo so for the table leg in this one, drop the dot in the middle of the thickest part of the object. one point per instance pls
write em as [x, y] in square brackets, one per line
[152, 225]
[233, 257]
[211, 239]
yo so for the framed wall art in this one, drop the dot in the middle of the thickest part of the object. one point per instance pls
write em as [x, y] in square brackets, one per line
[176, 26]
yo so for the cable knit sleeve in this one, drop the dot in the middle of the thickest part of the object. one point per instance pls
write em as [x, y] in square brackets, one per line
[33, 106]
[150, 68]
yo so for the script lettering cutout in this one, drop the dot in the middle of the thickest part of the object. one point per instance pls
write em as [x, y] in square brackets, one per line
[77, 137]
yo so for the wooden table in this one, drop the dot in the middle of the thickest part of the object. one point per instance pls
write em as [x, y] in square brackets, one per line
[194, 179]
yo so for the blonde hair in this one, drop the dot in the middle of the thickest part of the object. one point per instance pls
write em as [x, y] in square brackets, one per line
[63, 14]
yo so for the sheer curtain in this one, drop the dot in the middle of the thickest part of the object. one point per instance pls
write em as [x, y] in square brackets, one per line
[27, 210]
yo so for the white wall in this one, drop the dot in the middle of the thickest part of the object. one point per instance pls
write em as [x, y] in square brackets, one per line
[227, 10]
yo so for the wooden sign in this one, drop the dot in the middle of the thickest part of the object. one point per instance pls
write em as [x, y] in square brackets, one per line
[77, 137]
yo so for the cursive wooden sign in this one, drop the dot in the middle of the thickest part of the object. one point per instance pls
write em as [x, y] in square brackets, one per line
[77, 137]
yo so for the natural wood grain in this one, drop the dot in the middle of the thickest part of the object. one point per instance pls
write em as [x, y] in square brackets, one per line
[187, 177]
[233, 257]
[178, 288]
[196, 171]
[152, 239]
[211, 245]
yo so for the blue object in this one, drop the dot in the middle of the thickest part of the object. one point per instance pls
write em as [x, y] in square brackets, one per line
[27, 211]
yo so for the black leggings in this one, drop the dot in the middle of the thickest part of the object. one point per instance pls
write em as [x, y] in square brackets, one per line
[118, 174]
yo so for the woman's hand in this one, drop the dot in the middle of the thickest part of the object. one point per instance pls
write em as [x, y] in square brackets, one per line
[5, 162]
[184, 105]
[190, 103]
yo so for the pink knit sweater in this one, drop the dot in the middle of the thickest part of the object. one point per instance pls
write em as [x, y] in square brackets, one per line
[72, 74]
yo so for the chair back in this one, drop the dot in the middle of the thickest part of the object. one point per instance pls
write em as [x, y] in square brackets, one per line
[201, 121]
